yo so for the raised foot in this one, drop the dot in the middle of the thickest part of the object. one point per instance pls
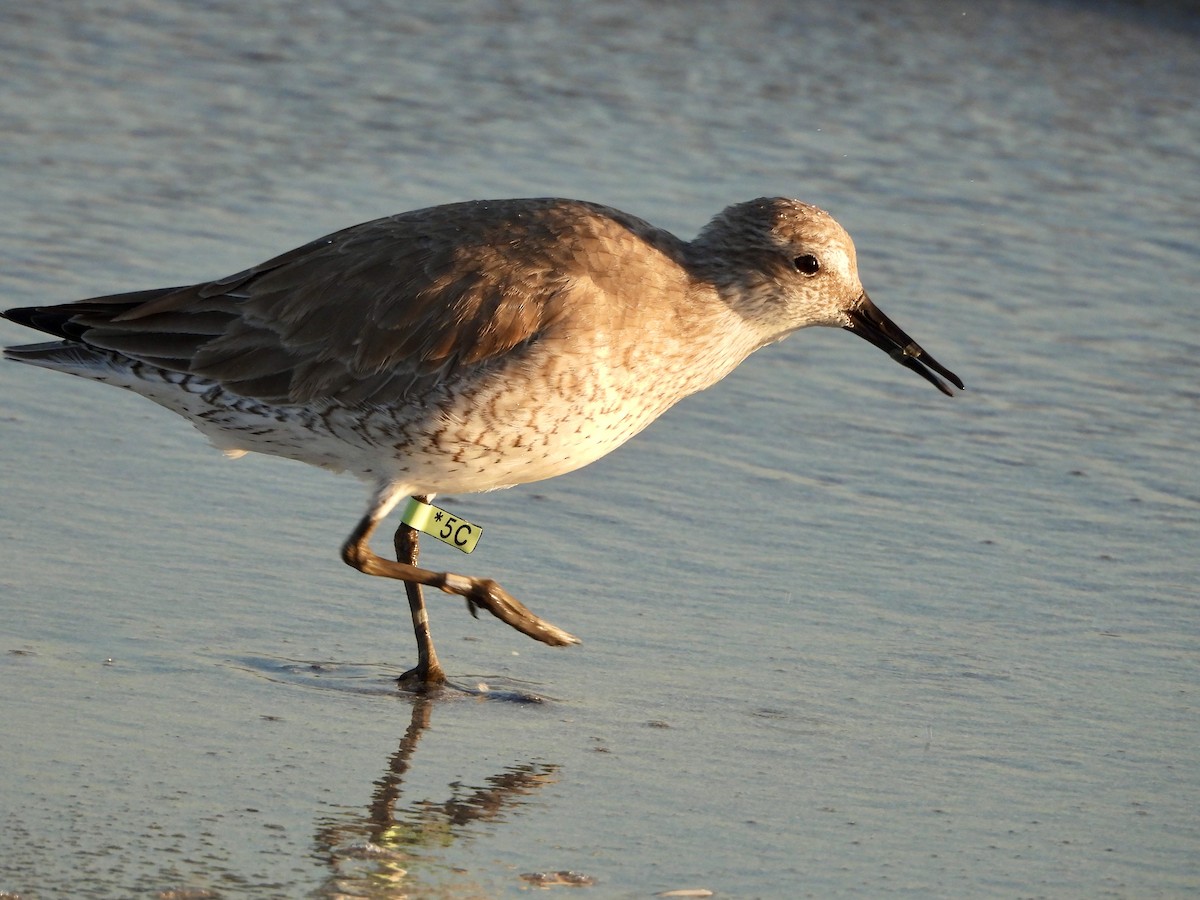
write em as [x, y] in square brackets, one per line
[507, 608]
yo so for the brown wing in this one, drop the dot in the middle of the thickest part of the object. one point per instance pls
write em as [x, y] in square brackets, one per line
[382, 308]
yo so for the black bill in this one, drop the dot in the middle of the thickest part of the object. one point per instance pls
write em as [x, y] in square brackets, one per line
[869, 322]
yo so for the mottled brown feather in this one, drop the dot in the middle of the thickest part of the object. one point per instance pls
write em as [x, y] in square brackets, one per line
[382, 310]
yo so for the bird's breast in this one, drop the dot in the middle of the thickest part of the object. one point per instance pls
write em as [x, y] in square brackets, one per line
[553, 412]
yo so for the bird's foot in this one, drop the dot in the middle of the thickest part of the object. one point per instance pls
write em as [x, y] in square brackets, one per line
[483, 592]
[422, 678]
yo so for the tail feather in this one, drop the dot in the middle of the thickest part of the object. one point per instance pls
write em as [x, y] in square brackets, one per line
[60, 320]
[64, 356]
[71, 322]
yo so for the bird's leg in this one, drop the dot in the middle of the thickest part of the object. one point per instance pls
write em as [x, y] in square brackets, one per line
[428, 671]
[483, 592]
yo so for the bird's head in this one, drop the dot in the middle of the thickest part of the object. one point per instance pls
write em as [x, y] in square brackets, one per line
[783, 265]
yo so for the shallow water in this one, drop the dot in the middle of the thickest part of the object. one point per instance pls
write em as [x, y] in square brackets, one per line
[842, 636]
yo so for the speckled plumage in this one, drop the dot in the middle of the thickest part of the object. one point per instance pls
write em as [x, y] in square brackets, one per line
[471, 346]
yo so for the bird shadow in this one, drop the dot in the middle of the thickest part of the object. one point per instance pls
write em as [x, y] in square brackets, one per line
[397, 847]
[393, 847]
[381, 680]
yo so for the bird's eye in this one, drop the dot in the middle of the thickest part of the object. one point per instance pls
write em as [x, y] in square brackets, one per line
[807, 264]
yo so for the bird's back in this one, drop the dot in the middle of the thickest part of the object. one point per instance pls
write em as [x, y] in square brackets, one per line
[450, 335]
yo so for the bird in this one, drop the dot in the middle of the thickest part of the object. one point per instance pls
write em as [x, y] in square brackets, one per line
[470, 346]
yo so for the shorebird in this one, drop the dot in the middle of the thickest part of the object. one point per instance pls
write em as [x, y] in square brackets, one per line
[469, 347]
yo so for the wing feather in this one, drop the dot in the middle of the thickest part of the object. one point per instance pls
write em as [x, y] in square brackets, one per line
[383, 309]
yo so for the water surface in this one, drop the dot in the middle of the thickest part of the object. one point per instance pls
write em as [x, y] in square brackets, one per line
[842, 636]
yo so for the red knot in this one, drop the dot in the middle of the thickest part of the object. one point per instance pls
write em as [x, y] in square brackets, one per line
[470, 347]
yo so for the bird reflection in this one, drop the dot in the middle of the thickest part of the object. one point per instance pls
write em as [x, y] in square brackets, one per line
[391, 851]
